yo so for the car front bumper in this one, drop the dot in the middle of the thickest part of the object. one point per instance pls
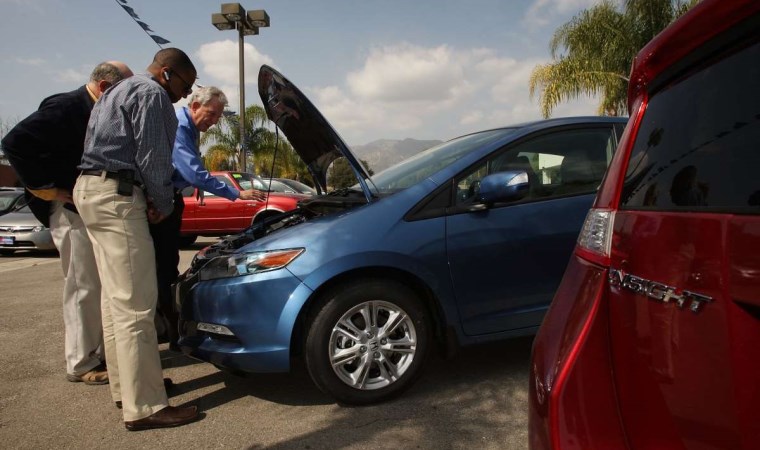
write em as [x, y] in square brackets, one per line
[19, 239]
[242, 323]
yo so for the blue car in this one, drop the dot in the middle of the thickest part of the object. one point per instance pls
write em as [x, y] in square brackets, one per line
[463, 243]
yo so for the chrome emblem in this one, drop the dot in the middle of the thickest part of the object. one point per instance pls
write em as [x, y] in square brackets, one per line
[657, 291]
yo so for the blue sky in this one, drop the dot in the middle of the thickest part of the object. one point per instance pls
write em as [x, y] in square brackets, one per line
[376, 69]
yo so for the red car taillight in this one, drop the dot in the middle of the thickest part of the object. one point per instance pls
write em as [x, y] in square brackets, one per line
[595, 238]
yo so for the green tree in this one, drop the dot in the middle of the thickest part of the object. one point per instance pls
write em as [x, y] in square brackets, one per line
[226, 135]
[341, 175]
[592, 53]
[260, 147]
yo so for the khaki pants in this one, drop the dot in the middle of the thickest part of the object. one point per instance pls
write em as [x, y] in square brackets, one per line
[118, 228]
[83, 339]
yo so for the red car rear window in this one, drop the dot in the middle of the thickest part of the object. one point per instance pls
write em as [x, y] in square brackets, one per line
[695, 148]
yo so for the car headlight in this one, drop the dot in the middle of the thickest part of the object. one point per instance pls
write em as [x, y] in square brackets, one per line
[248, 263]
[38, 229]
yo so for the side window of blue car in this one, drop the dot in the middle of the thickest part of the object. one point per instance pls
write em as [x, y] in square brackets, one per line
[559, 163]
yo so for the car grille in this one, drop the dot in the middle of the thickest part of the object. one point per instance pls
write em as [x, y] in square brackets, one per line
[16, 229]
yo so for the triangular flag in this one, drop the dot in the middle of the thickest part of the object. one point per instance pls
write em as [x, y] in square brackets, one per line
[130, 11]
[159, 40]
[144, 25]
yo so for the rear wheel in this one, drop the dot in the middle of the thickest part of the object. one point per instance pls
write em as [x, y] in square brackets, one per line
[367, 341]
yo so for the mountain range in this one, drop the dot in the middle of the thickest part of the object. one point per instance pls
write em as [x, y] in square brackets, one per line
[383, 153]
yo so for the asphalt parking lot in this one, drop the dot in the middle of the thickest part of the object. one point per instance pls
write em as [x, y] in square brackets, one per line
[477, 399]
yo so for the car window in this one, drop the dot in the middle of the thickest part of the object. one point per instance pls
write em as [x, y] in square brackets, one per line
[558, 164]
[7, 199]
[695, 150]
[277, 186]
[426, 163]
[224, 180]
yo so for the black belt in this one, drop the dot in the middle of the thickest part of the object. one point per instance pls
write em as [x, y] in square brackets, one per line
[111, 175]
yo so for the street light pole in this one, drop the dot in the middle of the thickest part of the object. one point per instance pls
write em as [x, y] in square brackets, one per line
[233, 16]
[241, 142]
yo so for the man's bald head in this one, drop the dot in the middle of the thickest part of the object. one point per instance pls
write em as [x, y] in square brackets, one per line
[106, 74]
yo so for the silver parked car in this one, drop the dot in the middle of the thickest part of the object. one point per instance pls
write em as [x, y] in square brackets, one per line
[19, 229]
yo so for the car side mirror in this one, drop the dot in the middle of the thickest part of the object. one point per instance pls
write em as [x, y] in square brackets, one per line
[505, 186]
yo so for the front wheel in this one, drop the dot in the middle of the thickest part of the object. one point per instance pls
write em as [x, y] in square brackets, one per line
[367, 341]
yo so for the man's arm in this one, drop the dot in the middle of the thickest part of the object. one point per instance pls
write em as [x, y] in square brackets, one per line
[190, 167]
[155, 127]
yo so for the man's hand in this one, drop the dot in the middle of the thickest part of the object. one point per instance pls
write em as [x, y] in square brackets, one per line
[154, 215]
[61, 195]
[253, 194]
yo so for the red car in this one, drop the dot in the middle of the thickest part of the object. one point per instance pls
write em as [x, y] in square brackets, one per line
[216, 216]
[652, 340]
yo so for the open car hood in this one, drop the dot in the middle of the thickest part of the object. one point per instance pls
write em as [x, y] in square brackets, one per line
[311, 136]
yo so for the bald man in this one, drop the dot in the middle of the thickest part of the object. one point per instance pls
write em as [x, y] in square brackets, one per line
[44, 150]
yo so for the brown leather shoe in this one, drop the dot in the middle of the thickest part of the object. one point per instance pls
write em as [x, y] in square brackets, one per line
[96, 376]
[171, 416]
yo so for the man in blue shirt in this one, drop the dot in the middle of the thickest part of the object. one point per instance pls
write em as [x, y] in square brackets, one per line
[204, 110]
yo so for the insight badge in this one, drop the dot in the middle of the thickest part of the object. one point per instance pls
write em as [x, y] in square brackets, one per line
[657, 291]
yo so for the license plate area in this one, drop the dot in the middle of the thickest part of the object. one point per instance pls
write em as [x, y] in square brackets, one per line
[7, 240]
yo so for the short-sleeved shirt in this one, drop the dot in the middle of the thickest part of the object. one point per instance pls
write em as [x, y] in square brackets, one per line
[133, 126]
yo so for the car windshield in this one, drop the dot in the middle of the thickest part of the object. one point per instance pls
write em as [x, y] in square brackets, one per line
[298, 186]
[424, 164]
[7, 199]
[277, 186]
[248, 181]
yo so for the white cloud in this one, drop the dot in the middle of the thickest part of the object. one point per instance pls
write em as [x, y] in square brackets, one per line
[408, 73]
[73, 76]
[541, 12]
[219, 67]
[436, 92]
[219, 60]
[404, 90]
[30, 61]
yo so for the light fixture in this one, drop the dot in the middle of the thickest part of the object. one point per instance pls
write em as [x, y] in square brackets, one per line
[221, 22]
[234, 17]
[233, 11]
[258, 18]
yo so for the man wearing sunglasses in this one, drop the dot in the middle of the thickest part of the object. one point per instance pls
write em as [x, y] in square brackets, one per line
[125, 184]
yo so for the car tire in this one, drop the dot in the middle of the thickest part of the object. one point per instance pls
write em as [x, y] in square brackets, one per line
[187, 241]
[359, 362]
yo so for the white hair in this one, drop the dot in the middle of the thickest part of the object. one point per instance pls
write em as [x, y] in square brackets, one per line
[204, 95]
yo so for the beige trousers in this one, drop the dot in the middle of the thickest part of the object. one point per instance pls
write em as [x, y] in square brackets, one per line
[83, 330]
[118, 229]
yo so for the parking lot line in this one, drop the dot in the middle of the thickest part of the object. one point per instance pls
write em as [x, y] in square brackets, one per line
[24, 263]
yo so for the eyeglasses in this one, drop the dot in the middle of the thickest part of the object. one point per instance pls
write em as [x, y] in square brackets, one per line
[188, 86]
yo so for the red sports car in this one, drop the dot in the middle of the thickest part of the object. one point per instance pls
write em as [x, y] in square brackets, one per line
[209, 215]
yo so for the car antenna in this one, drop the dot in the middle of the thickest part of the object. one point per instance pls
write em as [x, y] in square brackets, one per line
[274, 158]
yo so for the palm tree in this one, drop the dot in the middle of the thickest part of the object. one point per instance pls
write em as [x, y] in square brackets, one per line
[260, 143]
[592, 53]
[226, 136]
